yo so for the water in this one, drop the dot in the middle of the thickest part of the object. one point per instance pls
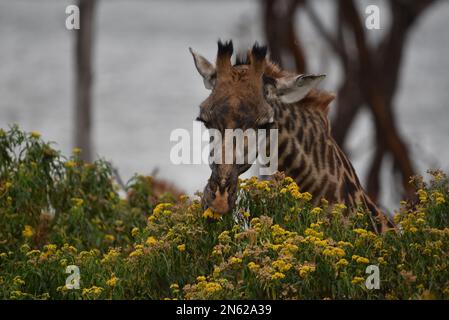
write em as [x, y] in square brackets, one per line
[146, 84]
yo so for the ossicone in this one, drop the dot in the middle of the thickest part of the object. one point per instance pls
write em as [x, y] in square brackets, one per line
[224, 55]
[257, 57]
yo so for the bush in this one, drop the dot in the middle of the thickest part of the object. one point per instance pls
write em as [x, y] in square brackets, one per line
[56, 212]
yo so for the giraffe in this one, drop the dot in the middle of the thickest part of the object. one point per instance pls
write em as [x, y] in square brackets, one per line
[255, 93]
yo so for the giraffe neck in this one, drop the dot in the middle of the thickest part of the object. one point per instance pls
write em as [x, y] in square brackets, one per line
[308, 153]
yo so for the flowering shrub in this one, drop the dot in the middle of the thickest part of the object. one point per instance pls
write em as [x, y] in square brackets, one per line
[56, 212]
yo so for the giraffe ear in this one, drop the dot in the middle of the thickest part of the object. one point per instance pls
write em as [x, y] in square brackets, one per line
[292, 89]
[205, 68]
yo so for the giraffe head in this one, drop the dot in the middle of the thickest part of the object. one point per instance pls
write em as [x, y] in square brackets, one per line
[240, 99]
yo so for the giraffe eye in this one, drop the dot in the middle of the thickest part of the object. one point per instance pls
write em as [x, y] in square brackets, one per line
[267, 125]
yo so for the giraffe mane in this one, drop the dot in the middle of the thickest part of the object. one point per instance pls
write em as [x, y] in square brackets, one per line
[274, 71]
[319, 99]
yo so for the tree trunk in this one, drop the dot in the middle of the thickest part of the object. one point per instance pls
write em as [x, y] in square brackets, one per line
[282, 40]
[83, 82]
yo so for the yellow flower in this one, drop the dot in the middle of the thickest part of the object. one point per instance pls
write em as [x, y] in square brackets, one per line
[278, 276]
[365, 234]
[28, 231]
[235, 260]
[162, 208]
[109, 238]
[76, 150]
[17, 294]
[18, 281]
[174, 287]
[439, 197]
[253, 266]
[334, 252]
[63, 262]
[360, 259]
[135, 232]
[151, 241]
[136, 253]
[360, 231]
[110, 256]
[316, 211]
[217, 271]
[274, 247]
[35, 134]
[277, 230]
[324, 203]
[342, 263]
[211, 214]
[224, 237]
[357, 280]
[320, 243]
[315, 225]
[305, 270]
[314, 233]
[83, 254]
[282, 265]
[345, 244]
[263, 185]
[212, 287]
[307, 196]
[412, 229]
[77, 202]
[420, 221]
[112, 282]
[62, 288]
[289, 248]
[338, 209]
[70, 164]
[288, 179]
[422, 195]
[200, 278]
[182, 247]
[93, 291]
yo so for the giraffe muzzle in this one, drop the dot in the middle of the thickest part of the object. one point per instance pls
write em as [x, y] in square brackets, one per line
[220, 195]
